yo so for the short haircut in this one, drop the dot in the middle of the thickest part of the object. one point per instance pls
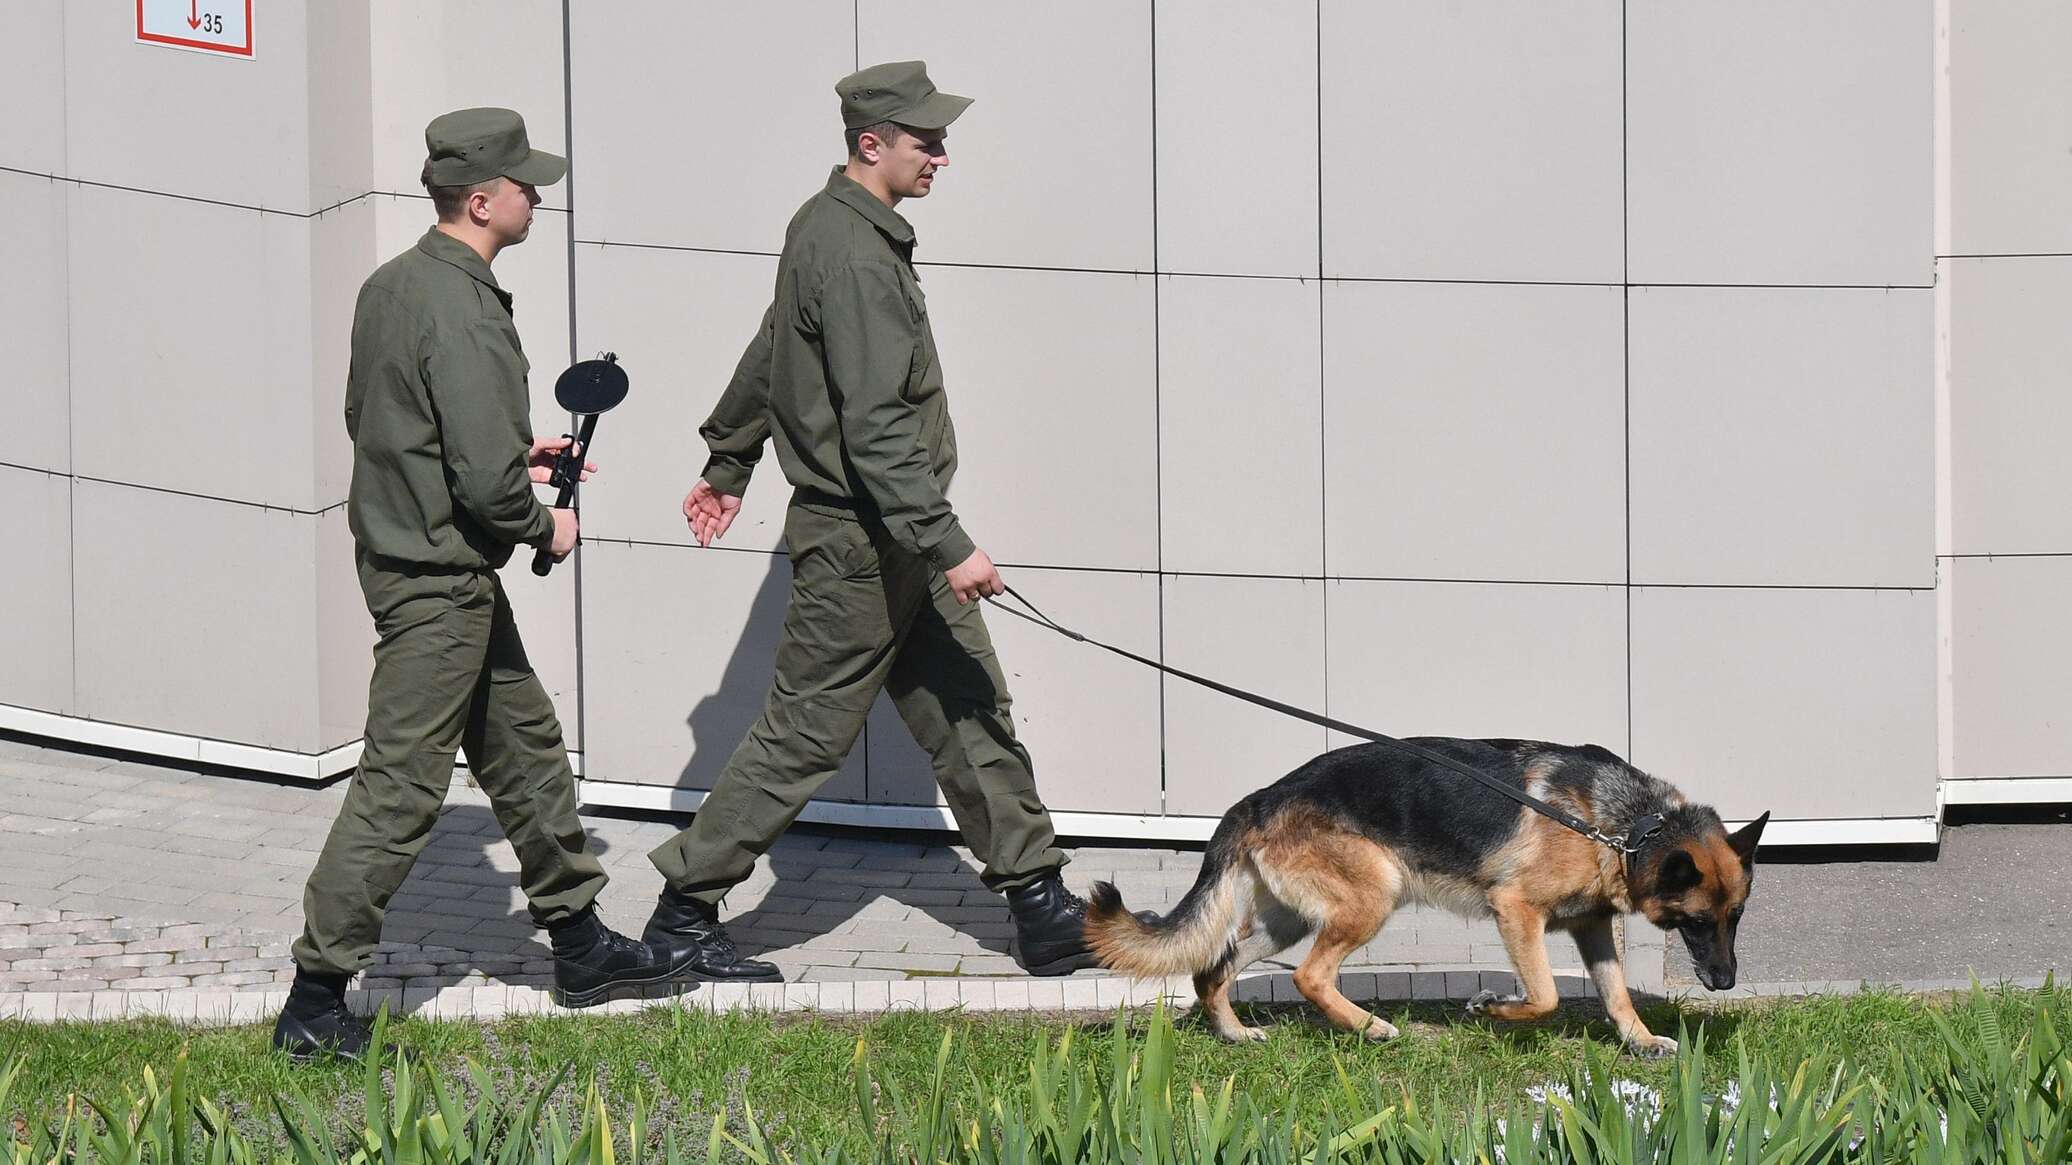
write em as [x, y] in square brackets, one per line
[885, 131]
[450, 201]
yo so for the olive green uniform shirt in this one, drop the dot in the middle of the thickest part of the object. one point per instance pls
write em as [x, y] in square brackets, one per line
[439, 414]
[843, 373]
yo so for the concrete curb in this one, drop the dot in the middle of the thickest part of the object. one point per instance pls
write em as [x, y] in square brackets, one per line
[1037, 996]
[1792, 989]
[493, 1001]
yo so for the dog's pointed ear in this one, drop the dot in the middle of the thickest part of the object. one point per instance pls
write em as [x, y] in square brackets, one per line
[1677, 873]
[1745, 838]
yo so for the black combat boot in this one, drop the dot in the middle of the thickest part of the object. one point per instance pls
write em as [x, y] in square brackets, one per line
[1049, 927]
[688, 934]
[315, 1021]
[592, 962]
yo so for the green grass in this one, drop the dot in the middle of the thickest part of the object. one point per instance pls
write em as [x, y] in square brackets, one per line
[796, 1072]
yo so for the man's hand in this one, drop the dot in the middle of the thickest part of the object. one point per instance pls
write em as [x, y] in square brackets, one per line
[539, 464]
[975, 578]
[709, 512]
[564, 534]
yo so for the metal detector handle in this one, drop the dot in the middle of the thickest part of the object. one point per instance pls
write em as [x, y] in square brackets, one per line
[568, 472]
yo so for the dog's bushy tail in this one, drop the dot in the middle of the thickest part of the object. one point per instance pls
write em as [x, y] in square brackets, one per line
[1200, 929]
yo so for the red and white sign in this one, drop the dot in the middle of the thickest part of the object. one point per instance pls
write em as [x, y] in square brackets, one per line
[207, 26]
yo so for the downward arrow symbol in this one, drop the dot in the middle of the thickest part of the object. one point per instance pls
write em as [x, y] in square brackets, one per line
[194, 13]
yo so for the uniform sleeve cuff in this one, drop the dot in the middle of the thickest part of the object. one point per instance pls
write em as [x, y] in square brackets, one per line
[726, 477]
[955, 547]
[541, 532]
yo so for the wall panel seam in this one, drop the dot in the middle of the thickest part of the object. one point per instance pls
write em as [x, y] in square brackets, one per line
[1320, 277]
[78, 477]
[1157, 411]
[1626, 349]
[318, 213]
[1452, 580]
[568, 129]
[1323, 386]
[1990, 555]
[72, 702]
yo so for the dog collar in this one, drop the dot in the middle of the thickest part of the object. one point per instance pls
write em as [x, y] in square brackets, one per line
[1637, 836]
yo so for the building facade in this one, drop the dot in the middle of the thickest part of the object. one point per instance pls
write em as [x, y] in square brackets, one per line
[1684, 378]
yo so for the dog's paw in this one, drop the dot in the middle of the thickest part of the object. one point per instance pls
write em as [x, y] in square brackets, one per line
[1652, 1047]
[1242, 1035]
[1485, 1000]
[1379, 1029]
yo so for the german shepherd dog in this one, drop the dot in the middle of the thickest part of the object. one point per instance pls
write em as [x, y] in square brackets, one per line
[1336, 846]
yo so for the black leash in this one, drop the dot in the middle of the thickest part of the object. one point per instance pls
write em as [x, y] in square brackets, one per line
[1625, 844]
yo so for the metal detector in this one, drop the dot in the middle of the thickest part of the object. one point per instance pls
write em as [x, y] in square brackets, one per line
[586, 389]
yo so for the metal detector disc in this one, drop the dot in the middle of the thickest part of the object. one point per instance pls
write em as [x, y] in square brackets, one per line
[593, 386]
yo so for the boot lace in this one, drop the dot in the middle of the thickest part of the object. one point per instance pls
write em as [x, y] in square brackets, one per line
[713, 937]
[620, 944]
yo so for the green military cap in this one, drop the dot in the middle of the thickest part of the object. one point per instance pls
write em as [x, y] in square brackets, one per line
[474, 145]
[898, 92]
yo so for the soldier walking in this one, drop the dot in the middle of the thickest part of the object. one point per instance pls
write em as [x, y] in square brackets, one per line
[443, 466]
[843, 373]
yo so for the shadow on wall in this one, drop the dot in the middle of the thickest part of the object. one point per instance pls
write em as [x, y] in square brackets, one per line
[721, 719]
[818, 892]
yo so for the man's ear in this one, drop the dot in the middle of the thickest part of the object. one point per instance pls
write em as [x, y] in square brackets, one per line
[1745, 838]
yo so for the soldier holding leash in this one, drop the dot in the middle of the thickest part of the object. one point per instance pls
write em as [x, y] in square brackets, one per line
[843, 373]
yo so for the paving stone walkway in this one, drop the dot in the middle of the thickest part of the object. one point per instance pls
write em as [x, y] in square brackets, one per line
[122, 877]
[130, 887]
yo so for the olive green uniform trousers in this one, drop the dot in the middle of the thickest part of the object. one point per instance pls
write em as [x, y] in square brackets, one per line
[450, 674]
[867, 616]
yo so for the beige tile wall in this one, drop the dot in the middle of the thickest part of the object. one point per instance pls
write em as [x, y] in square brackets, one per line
[1052, 380]
[191, 331]
[37, 642]
[1269, 631]
[195, 615]
[679, 649]
[1822, 700]
[1782, 436]
[704, 125]
[35, 321]
[1240, 406]
[430, 58]
[1474, 431]
[2010, 626]
[193, 124]
[1236, 79]
[32, 88]
[1068, 78]
[1525, 661]
[2009, 121]
[679, 320]
[2010, 404]
[1780, 142]
[1628, 334]
[2006, 289]
[188, 235]
[1471, 141]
